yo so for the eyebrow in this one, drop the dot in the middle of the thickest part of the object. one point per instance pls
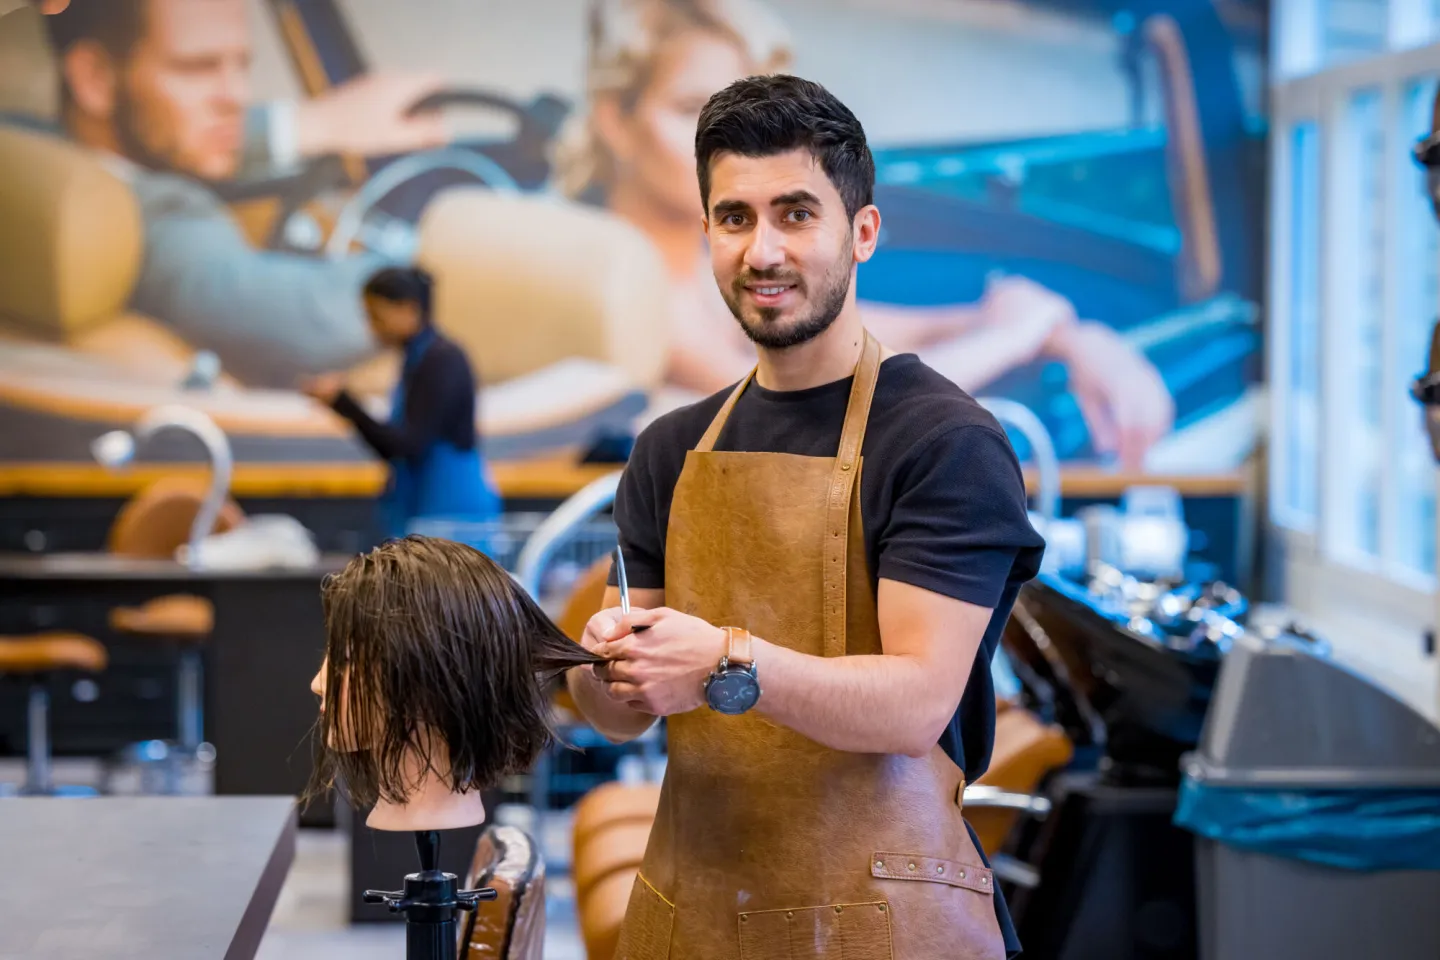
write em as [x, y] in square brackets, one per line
[784, 200]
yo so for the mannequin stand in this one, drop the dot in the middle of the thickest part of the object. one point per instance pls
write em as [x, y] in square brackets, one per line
[430, 901]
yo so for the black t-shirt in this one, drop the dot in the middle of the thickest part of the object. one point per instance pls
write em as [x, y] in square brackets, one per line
[942, 497]
[439, 405]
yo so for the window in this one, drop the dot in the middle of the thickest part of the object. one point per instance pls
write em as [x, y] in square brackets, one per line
[1354, 395]
[1355, 283]
[1300, 388]
[1417, 307]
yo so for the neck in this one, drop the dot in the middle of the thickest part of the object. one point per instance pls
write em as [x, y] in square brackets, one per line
[678, 238]
[829, 357]
[92, 132]
[430, 802]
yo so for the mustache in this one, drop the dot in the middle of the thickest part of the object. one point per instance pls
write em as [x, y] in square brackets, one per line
[758, 277]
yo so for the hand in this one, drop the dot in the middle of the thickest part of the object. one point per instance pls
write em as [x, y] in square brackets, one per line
[662, 669]
[324, 388]
[369, 116]
[1122, 397]
[1030, 315]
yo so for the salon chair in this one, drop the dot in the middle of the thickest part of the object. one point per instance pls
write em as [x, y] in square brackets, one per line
[153, 524]
[587, 597]
[511, 927]
[611, 829]
[35, 657]
[1026, 752]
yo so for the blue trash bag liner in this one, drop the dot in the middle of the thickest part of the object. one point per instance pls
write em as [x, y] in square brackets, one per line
[1369, 829]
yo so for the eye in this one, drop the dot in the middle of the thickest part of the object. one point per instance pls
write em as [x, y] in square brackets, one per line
[799, 215]
[733, 219]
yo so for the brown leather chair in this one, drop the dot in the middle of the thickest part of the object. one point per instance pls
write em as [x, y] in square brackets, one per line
[511, 927]
[1026, 752]
[611, 829]
[587, 596]
[35, 657]
[153, 524]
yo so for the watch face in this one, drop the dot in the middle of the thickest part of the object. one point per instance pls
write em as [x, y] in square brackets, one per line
[733, 692]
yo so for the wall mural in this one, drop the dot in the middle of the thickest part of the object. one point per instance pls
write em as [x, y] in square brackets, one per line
[192, 193]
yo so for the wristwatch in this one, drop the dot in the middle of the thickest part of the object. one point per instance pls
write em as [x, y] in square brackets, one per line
[734, 687]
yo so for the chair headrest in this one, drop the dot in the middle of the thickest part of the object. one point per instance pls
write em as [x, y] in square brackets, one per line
[71, 232]
[523, 281]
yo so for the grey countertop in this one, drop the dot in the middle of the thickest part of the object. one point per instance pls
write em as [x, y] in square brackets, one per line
[160, 878]
[108, 566]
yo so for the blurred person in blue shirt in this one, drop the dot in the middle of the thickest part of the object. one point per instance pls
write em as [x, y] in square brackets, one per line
[436, 467]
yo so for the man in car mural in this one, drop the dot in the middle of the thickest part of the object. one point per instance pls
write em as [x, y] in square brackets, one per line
[162, 89]
[652, 65]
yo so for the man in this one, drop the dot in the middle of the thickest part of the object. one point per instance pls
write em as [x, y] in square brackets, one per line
[163, 88]
[823, 559]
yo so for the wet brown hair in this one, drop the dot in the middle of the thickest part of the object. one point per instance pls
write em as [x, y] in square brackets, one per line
[434, 650]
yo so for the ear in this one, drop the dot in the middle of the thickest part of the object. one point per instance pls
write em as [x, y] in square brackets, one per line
[92, 77]
[866, 232]
[612, 126]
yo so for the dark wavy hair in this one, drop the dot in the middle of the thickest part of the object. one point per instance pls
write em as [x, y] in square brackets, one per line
[403, 285]
[773, 114]
[433, 647]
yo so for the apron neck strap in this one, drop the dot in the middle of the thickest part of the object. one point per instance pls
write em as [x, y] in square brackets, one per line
[842, 489]
[856, 414]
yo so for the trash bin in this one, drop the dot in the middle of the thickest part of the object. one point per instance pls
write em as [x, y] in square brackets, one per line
[1315, 797]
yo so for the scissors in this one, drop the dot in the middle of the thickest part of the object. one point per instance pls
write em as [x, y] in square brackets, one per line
[624, 588]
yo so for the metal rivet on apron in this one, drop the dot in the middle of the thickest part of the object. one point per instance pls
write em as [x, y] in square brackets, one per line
[744, 918]
[839, 909]
[879, 864]
[790, 914]
[984, 881]
[844, 466]
[940, 870]
[910, 866]
[962, 874]
[882, 908]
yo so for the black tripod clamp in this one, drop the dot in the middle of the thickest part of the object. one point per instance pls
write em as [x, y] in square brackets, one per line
[430, 902]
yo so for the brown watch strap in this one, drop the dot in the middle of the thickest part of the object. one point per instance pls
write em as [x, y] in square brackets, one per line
[737, 646]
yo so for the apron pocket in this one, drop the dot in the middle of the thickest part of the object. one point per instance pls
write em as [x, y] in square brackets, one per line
[648, 922]
[842, 931]
[904, 866]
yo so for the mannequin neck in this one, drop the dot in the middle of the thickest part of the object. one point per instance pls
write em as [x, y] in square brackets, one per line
[431, 804]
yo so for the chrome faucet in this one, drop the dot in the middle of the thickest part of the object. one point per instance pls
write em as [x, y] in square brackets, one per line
[117, 449]
[1042, 451]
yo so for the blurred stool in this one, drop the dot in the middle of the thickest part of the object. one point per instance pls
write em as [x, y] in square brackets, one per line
[512, 927]
[35, 657]
[153, 525]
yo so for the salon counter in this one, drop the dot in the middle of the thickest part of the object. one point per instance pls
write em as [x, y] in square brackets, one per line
[124, 878]
[267, 643]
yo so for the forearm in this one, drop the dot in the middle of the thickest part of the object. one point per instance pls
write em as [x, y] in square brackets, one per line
[859, 704]
[616, 721]
[977, 359]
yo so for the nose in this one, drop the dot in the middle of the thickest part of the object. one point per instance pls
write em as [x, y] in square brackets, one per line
[766, 249]
[317, 683]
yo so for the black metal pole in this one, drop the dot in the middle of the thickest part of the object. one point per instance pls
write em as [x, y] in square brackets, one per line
[430, 901]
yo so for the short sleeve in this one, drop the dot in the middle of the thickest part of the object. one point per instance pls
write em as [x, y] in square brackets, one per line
[638, 518]
[959, 525]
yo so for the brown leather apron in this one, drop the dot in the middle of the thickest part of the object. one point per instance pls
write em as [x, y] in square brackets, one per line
[768, 846]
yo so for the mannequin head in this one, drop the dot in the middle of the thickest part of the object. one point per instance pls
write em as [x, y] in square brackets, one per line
[437, 670]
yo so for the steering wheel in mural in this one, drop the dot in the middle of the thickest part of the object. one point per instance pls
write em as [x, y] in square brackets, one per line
[382, 212]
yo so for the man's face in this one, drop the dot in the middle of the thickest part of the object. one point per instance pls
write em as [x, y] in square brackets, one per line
[781, 245]
[181, 94]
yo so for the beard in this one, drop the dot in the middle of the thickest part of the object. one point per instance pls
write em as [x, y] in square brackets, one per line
[818, 312]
